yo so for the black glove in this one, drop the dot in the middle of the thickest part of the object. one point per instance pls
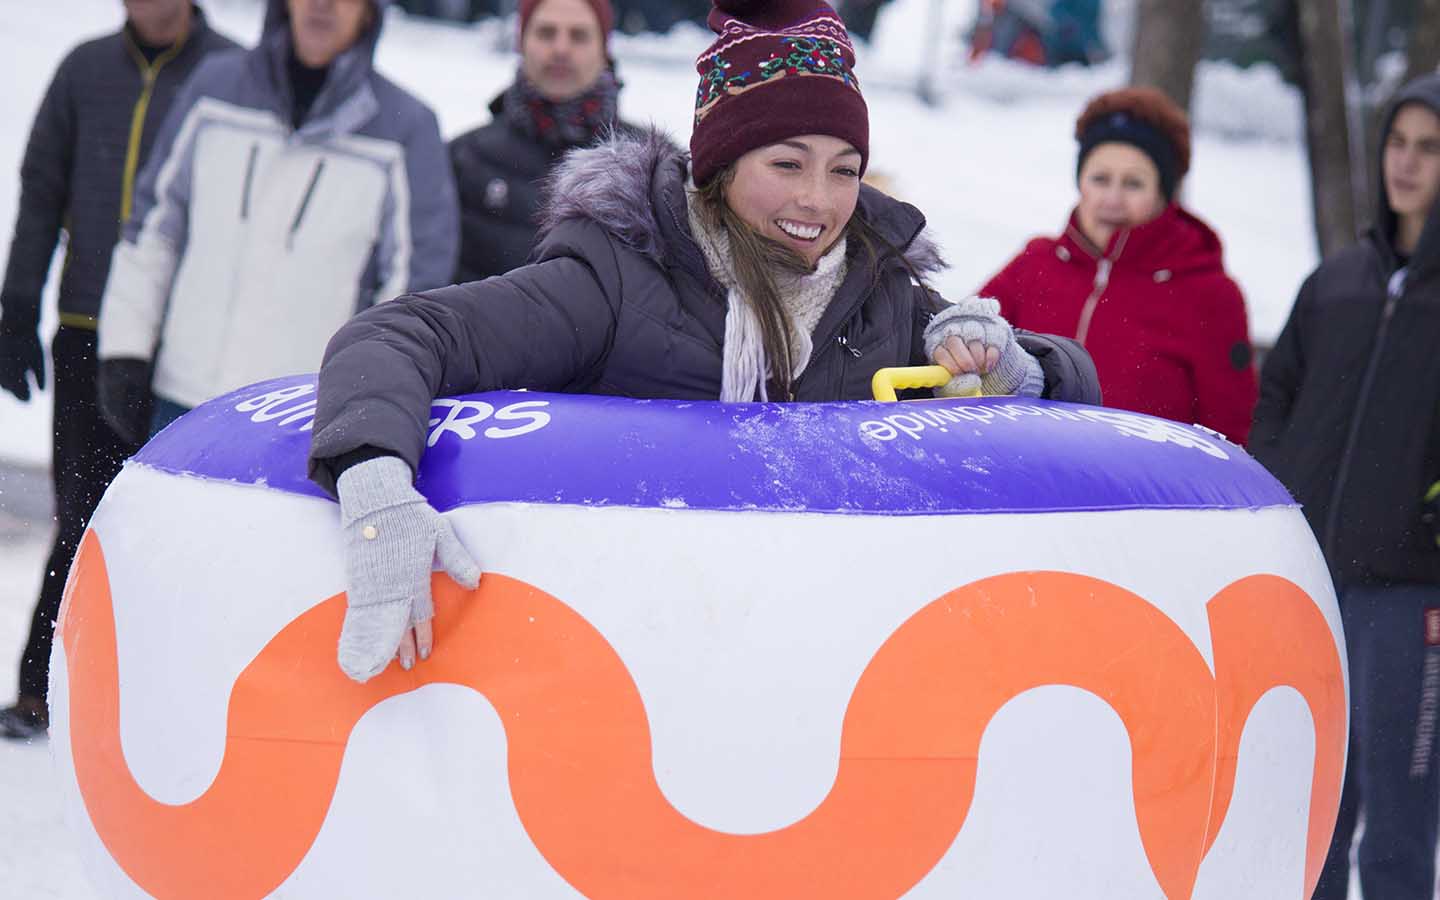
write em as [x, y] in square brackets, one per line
[20, 355]
[122, 390]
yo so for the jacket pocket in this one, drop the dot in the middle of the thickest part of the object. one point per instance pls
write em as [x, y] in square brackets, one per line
[249, 182]
[304, 203]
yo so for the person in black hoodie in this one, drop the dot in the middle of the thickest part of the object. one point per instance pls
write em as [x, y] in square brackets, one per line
[564, 96]
[1347, 419]
[91, 136]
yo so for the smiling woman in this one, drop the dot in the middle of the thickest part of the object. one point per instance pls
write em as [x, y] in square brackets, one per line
[779, 211]
[756, 268]
[800, 192]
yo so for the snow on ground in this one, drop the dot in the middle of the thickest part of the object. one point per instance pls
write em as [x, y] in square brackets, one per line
[991, 165]
[37, 857]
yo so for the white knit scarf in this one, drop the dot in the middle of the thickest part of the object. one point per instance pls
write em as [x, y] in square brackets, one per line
[744, 367]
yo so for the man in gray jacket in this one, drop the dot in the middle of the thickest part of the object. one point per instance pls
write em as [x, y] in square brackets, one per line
[292, 186]
[92, 133]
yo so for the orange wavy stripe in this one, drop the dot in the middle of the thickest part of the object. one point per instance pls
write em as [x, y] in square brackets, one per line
[1268, 633]
[579, 752]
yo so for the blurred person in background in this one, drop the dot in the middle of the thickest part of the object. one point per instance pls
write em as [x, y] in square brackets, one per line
[1348, 421]
[291, 186]
[1041, 32]
[565, 95]
[91, 135]
[860, 15]
[658, 16]
[1138, 279]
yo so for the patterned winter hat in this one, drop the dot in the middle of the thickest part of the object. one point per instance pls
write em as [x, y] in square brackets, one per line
[778, 68]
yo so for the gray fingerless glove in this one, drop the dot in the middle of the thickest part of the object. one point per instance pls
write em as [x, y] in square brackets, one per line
[393, 540]
[978, 319]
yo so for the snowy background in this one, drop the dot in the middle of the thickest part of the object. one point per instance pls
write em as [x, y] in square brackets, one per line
[991, 165]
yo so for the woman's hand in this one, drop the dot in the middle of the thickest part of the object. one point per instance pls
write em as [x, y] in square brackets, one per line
[394, 538]
[978, 347]
[961, 358]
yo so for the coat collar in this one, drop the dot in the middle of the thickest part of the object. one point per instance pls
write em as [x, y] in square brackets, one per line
[190, 45]
[1176, 241]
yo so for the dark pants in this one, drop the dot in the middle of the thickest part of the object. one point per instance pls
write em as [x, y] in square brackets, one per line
[85, 456]
[163, 413]
[1390, 778]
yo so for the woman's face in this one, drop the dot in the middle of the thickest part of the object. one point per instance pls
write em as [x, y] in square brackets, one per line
[800, 192]
[1119, 188]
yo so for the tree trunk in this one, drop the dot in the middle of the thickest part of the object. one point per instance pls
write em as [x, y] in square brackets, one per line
[1373, 22]
[1168, 39]
[1424, 50]
[1324, 58]
[925, 88]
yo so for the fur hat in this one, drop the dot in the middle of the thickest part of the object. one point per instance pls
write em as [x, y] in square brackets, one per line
[603, 13]
[777, 69]
[1144, 118]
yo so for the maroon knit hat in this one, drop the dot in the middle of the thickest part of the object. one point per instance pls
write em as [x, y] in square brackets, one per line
[778, 68]
[602, 9]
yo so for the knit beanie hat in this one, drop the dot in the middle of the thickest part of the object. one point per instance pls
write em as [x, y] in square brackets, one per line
[777, 69]
[1144, 118]
[603, 13]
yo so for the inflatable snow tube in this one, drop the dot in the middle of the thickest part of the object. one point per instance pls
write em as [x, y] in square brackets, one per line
[853, 651]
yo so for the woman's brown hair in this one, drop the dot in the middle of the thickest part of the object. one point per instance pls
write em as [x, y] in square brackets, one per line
[756, 260]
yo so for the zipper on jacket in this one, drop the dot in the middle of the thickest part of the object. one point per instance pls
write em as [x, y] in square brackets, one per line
[842, 365]
[304, 203]
[149, 72]
[249, 180]
[1103, 266]
[1394, 289]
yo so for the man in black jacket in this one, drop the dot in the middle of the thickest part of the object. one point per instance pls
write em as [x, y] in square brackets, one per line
[564, 96]
[90, 138]
[1348, 420]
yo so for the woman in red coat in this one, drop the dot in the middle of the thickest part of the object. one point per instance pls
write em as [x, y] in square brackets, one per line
[1138, 279]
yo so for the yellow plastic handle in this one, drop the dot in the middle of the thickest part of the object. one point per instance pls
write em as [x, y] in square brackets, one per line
[886, 382]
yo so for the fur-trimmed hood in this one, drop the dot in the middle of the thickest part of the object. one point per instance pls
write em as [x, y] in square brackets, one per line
[633, 186]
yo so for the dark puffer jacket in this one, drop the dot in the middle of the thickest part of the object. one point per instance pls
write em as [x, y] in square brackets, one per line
[498, 173]
[1348, 398]
[619, 301]
[91, 136]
